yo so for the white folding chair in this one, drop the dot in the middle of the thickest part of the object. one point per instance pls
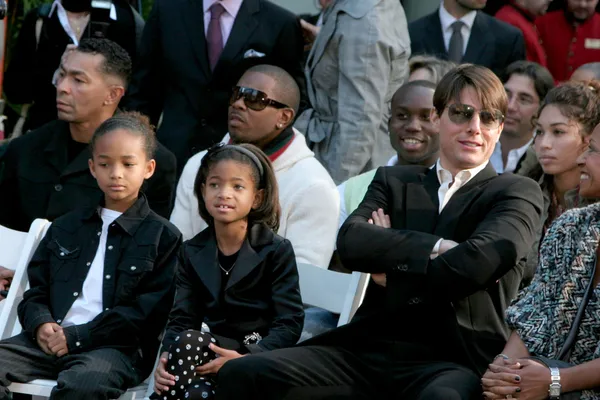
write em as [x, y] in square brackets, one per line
[20, 246]
[333, 291]
[16, 249]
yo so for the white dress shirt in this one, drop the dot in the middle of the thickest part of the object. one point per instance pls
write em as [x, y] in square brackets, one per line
[64, 19]
[227, 18]
[449, 186]
[89, 303]
[514, 156]
[447, 20]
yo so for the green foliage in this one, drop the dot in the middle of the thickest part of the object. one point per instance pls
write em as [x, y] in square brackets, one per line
[146, 7]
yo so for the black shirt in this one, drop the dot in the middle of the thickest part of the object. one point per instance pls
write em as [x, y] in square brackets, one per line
[43, 183]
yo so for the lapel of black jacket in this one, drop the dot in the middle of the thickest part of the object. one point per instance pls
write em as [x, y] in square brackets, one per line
[244, 25]
[248, 259]
[422, 202]
[192, 12]
[461, 201]
[204, 261]
[79, 163]
[55, 151]
[479, 40]
[435, 37]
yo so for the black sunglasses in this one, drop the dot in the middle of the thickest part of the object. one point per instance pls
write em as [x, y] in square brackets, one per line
[463, 113]
[254, 99]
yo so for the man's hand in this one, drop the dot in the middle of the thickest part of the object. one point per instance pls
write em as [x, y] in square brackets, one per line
[6, 276]
[162, 379]
[57, 343]
[215, 365]
[43, 334]
[382, 220]
[446, 245]
[309, 32]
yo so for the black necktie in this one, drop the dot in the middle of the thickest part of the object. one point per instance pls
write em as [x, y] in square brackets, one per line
[456, 46]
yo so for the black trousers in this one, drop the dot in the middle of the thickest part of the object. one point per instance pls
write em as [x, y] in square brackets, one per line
[346, 364]
[94, 375]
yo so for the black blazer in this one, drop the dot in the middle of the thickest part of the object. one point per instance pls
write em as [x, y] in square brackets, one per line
[137, 291]
[493, 43]
[36, 180]
[454, 303]
[173, 75]
[28, 78]
[262, 294]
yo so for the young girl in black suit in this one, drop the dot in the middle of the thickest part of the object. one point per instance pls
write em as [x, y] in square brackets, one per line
[237, 285]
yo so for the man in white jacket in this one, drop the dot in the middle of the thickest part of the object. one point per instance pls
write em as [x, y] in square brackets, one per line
[262, 109]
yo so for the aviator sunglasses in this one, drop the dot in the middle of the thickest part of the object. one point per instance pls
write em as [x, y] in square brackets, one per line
[254, 99]
[463, 113]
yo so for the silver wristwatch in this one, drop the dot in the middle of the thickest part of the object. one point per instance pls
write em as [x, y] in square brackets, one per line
[555, 386]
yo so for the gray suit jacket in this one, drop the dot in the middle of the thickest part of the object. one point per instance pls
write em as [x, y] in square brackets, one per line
[360, 58]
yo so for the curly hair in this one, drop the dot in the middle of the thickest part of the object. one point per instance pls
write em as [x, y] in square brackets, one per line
[578, 101]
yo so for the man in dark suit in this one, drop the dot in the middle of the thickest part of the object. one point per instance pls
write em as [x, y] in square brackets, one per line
[189, 61]
[45, 173]
[445, 247]
[458, 31]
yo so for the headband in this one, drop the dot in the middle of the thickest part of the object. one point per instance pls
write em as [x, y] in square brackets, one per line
[222, 146]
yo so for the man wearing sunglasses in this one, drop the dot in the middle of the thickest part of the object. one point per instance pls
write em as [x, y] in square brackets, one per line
[445, 247]
[262, 108]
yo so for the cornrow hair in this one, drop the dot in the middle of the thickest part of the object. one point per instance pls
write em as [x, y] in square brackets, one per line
[133, 122]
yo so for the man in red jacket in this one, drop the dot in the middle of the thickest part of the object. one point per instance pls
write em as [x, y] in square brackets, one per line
[522, 14]
[570, 37]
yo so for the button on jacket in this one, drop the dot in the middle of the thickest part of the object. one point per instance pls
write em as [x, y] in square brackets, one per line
[139, 284]
[262, 294]
[39, 182]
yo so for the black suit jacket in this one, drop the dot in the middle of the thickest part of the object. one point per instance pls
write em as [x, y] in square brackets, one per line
[37, 181]
[262, 294]
[454, 303]
[137, 291]
[493, 43]
[173, 75]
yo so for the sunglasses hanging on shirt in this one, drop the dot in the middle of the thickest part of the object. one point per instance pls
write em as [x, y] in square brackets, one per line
[77, 6]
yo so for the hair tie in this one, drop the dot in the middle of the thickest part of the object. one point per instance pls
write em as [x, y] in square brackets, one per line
[217, 148]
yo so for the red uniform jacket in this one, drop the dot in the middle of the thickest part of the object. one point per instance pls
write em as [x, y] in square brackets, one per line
[524, 20]
[568, 45]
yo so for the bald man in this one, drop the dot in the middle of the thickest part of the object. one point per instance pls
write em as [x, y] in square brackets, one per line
[309, 199]
[412, 135]
[587, 72]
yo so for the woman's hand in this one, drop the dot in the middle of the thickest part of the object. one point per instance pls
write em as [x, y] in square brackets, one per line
[223, 355]
[498, 383]
[162, 379]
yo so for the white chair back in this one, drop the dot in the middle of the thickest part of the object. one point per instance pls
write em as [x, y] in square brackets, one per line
[16, 250]
[333, 291]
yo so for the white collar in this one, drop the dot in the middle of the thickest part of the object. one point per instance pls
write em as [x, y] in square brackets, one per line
[231, 6]
[447, 19]
[463, 176]
[58, 3]
[519, 151]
